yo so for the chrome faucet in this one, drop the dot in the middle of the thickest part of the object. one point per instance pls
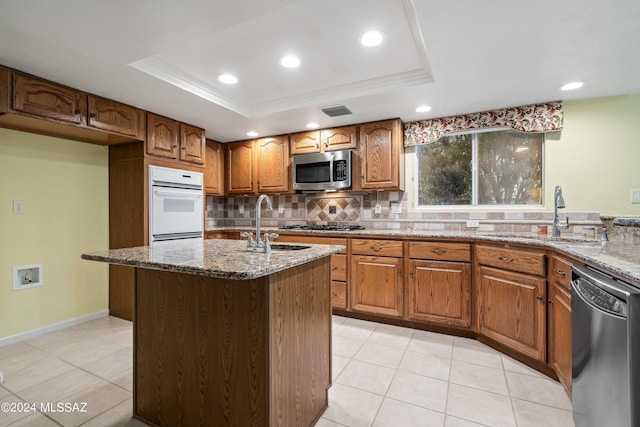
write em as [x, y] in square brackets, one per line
[259, 245]
[558, 203]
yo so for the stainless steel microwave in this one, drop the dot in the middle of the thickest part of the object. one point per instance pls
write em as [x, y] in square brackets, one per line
[322, 171]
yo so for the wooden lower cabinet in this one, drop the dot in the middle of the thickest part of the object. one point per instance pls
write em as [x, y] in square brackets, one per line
[560, 334]
[376, 285]
[439, 292]
[511, 310]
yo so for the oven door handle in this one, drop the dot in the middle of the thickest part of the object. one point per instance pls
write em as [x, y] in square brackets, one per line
[177, 193]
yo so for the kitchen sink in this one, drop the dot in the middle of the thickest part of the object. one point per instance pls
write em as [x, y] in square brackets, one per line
[281, 247]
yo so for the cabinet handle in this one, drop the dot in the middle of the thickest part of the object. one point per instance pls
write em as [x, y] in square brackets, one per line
[334, 268]
[174, 146]
[561, 273]
[550, 301]
[77, 112]
[438, 251]
[326, 144]
[376, 248]
[334, 295]
[184, 147]
[411, 273]
[539, 298]
[317, 144]
[399, 272]
[505, 259]
[92, 115]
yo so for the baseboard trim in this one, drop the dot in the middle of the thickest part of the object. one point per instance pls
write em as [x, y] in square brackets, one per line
[23, 336]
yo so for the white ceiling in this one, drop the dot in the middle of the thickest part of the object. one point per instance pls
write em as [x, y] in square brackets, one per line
[458, 56]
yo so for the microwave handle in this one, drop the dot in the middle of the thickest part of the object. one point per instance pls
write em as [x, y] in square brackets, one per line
[174, 193]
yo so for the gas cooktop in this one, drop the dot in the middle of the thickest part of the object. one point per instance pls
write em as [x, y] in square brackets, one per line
[322, 227]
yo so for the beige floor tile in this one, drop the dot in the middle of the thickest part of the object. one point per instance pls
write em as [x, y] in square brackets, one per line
[355, 329]
[426, 364]
[31, 375]
[27, 356]
[11, 350]
[345, 347]
[111, 365]
[472, 351]
[117, 416]
[106, 322]
[392, 336]
[529, 414]
[478, 376]
[351, 407]
[90, 351]
[539, 390]
[338, 364]
[431, 343]
[513, 365]
[366, 376]
[121, 337]
[124, 380]
[58, 340]
[418, 390]
[394, 413]
[4, 392]
[13, 413]
[35, 420]
[59, 387]
[99, 398]
[480, 406]
[380, 355]
[337, 321]
[323, 422]
[459, 422]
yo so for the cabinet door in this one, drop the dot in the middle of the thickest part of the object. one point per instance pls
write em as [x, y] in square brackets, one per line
[439, 292]
[48, 100]
[512, 310]
[273, 165]
[560, 334]
[163, 136]
[112, 116]
[192, 143]
[376, 285]
[305, 142]
[239, 168]
[342, 138]
[380, 146]
[214, 168]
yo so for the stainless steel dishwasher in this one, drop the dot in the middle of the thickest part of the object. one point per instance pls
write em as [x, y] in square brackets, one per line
[605, 315]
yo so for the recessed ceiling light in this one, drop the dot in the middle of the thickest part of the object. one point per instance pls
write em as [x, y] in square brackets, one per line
[290, 61]
[371, 38]
[423, 108]
[252, 134]
[572, 86]
[228, 79]
[312, 125]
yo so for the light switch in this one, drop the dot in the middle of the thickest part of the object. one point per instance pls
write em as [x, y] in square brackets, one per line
[18, 206]
[635, 195]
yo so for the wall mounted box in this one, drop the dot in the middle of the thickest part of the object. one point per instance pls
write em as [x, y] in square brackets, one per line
[27, 276]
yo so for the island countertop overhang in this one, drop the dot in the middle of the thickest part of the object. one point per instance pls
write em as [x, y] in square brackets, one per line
[219, 258]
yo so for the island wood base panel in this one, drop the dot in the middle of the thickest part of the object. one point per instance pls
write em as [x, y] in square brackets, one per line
[211, 351]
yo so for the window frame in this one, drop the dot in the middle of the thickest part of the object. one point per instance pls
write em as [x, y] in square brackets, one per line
[474, 206]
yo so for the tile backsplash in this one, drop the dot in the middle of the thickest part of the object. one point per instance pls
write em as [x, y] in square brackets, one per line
[359, 208]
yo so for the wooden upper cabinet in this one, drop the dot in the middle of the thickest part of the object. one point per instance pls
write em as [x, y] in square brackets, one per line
[192, 143]
[239, 168]
[305, 142]
[380, 158]
[214, 168]
[112, 116]
[163, 136]
[342, 138]
[48, 100]
[273, 164]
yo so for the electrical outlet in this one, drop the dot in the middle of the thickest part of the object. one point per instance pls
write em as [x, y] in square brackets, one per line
[280, 208]
[18, 206]
[377, 208]
[396, 208]
[635, 195]
[473, 223]
[332, 209]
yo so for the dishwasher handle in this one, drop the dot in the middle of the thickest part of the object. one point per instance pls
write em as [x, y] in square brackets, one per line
[597, 297]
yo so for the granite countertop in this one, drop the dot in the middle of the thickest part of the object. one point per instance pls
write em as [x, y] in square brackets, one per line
[619, 257]
[215, 258]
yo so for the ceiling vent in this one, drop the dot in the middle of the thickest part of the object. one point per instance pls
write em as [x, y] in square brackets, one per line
[339, 110]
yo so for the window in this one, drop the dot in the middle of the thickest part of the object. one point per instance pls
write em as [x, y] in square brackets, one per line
[488, 168]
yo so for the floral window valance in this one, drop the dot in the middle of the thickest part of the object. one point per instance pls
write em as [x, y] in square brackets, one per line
[529, 118]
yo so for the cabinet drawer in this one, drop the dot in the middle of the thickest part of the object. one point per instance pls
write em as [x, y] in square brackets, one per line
[392, 248]
[338, 294]
[511, 259]
[339, 267]
[560, 272]
[440, 251]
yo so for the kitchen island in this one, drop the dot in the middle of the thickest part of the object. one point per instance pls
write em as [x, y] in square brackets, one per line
[228, 337]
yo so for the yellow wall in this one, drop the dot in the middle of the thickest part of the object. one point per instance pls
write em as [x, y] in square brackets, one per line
[64, 186]
[596, 157]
